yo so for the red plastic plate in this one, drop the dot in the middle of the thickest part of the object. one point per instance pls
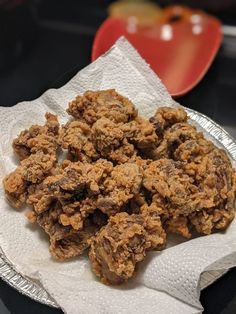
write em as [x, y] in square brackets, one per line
[179, 49]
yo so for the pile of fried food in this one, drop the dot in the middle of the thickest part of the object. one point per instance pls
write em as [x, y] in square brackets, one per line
[126, 183]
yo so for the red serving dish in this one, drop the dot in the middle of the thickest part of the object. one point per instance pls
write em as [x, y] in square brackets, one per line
[179, 47]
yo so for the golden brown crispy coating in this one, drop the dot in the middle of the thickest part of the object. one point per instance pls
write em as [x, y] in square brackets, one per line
[72, 244]
[211, 220]
[65, 242]
[215, 177]
[122, 243]
[123, 183]
[52, 125]
[212, 173]
[94, 105]
[20, 144]
[107, 136]
[234, 180]
[38, 138]
[15, 188]
[179, 225]
[154, 203]
[136, 204]
[193, 150]
[166, 178]
[41, 198]
[141, 133]
[110, 141]
[75, 176]
[165, 117]
[31, 170]
[173, 137]
[123, 153]
[154, 175]
[178, 134]
[75, 188]
[37, 166]
[75, 214]
[199, 193]
[81, 188]
[76, 137]
[91, 176]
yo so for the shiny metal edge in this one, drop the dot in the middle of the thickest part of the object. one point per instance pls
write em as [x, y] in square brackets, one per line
[221, 136]
[22, 284]
[36, 292]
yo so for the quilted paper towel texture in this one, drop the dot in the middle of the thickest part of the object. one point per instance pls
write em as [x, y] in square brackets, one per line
[169, 281]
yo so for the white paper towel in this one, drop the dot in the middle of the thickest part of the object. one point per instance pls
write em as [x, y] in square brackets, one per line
[169, 281]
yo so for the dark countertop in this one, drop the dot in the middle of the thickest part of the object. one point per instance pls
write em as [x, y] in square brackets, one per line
[53, 53]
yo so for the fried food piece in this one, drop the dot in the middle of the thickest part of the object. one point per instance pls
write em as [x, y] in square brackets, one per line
[75, 214]
[94, 105]
[215, 175]
[65, 242]
[75, 188]
[48, 220]
[65, 245]
[37, 166]
[179, 225]
[201, 196]
[31, 170]
[165, 117]
[72, 244]
[52, 125]
[15, 188]
[109, 140]
[38, 138]
[123, 154]
[212, 207]
[166, 121]
[212, 173]
[193, 150]
[77, 176]
[211, 220]
[173, 137]
[76, 137]
[82, 188]
[74, 177]
[123, 183]
[178, 134]
[136, 203]
[154, 203]
[122, 243]
[234, 180]
[166, 178]
[107, 136]
[43, 195]
[141, 133]
[41, 198]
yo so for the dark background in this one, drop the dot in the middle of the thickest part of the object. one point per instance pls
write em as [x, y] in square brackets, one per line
[44, 43]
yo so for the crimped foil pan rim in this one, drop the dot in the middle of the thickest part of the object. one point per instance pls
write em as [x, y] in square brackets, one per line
[36, 292]
[23, 284]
